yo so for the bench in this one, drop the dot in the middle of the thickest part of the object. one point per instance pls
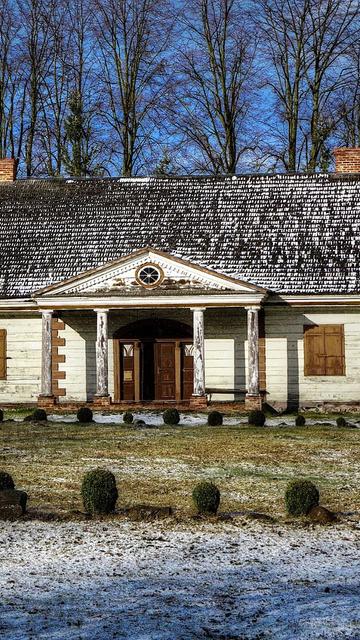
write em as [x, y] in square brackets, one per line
[210, 391]
[13, 498]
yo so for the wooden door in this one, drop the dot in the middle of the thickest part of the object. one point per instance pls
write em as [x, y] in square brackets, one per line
[187, 370]
[127, 382]
[165, 370]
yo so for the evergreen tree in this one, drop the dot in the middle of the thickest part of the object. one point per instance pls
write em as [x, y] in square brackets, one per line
[78, 155]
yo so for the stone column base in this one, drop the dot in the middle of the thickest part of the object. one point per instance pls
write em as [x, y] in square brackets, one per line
[253, 402]
[102, 401]
[46, 402]
[198, 402]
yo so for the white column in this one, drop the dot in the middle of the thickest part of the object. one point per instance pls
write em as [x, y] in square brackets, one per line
[102, 353]
[199, 352]
[253, 351]
[46, 354]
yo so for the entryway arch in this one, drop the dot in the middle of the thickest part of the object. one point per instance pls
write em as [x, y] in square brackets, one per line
[153, 361]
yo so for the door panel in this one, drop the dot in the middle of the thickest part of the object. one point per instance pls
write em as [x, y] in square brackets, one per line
[187, 370]
[127, 387]
[165, 370]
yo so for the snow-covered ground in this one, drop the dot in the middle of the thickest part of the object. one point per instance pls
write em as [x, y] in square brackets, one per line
[221, 581]
[190, 419]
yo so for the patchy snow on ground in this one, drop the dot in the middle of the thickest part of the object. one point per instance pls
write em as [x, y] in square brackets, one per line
[188, 419]
[221, 581]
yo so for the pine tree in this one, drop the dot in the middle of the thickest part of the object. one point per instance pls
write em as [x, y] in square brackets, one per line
[78, 155]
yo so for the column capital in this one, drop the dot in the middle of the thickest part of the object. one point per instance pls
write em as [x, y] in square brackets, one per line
[101, 310]
[253, 307]
[198, 308]
[46, 311]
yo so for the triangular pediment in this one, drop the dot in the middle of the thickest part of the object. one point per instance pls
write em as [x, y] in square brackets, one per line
[145, 271]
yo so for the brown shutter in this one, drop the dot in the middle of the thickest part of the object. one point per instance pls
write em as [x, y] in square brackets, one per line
[324, 353]
[2, 354]
[334, 349]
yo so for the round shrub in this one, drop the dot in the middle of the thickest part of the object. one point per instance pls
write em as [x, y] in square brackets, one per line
[38, 415]
[300, 421]
[6, 481]
[171, 416]
[340, 421]
[257, 418]
[215, 419]
[1, 415]
[84, 415]
[300, 497]
[128, 417]
[99, 491]
[206, 497]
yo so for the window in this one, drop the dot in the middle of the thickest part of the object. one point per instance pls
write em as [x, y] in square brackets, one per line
[149, 275]
[324, 352]
[2, 354]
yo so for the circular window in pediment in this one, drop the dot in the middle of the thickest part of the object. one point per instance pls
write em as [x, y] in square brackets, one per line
[149, 275]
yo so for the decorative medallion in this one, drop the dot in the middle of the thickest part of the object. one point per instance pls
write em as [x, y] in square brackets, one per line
[149, 275]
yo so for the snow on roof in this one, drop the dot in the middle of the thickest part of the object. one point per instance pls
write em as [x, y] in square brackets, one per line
[287, 233]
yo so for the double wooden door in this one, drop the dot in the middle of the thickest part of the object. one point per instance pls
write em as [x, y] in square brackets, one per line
[158, 370]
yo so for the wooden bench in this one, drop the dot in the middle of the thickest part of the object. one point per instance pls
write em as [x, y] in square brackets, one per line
[210, 391]
[13, 498]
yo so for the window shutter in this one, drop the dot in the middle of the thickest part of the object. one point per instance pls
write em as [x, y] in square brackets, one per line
[334, 349]
[2, 354]
[314, 351]
[324, 353]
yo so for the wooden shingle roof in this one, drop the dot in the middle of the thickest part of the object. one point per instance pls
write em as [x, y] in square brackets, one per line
[286, 233]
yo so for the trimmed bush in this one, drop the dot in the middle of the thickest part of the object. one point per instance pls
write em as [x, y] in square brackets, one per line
[38, 415]
[1, 415]
[99, 491]
[171, 416]
[215, 419]
[128, 417]
[341, 422]
[206, 497]
[257, 418]
[84, 415]
[6, 481]
[300, 421]
[300, 497]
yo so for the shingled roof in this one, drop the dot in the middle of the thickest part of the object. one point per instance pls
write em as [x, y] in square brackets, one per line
[287, 233]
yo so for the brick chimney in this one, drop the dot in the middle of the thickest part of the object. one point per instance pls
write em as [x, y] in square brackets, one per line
[347, 160]
[7, 169]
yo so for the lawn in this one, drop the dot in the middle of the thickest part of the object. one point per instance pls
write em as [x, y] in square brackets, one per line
[160, 466]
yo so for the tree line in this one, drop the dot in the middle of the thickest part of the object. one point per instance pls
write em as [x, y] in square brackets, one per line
[131, 87]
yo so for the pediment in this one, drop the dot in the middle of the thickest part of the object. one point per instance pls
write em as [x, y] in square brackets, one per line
[146, 271]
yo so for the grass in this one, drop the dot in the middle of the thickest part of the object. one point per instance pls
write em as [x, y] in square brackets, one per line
[251, 466]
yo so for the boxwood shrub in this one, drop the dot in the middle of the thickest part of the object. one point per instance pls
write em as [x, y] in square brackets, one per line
[6, 481]
[300, 497]
[215, 418]
[171, 416]
[300, 420]
[1, 415]
[84, 415]
[257, 418]
[128, 417]
[206, 497]
[341, 422]
[99, 491]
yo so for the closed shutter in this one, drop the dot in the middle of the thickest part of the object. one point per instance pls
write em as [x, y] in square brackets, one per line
[2, 354]
[324, 353]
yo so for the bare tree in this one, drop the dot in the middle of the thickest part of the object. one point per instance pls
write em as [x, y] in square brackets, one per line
[215, 79]
[333, 27]
[11, 85]
[132, 38]
[284, 33]
[348, 109]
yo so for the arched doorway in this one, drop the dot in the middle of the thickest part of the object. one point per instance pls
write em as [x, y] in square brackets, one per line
[153, 361]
